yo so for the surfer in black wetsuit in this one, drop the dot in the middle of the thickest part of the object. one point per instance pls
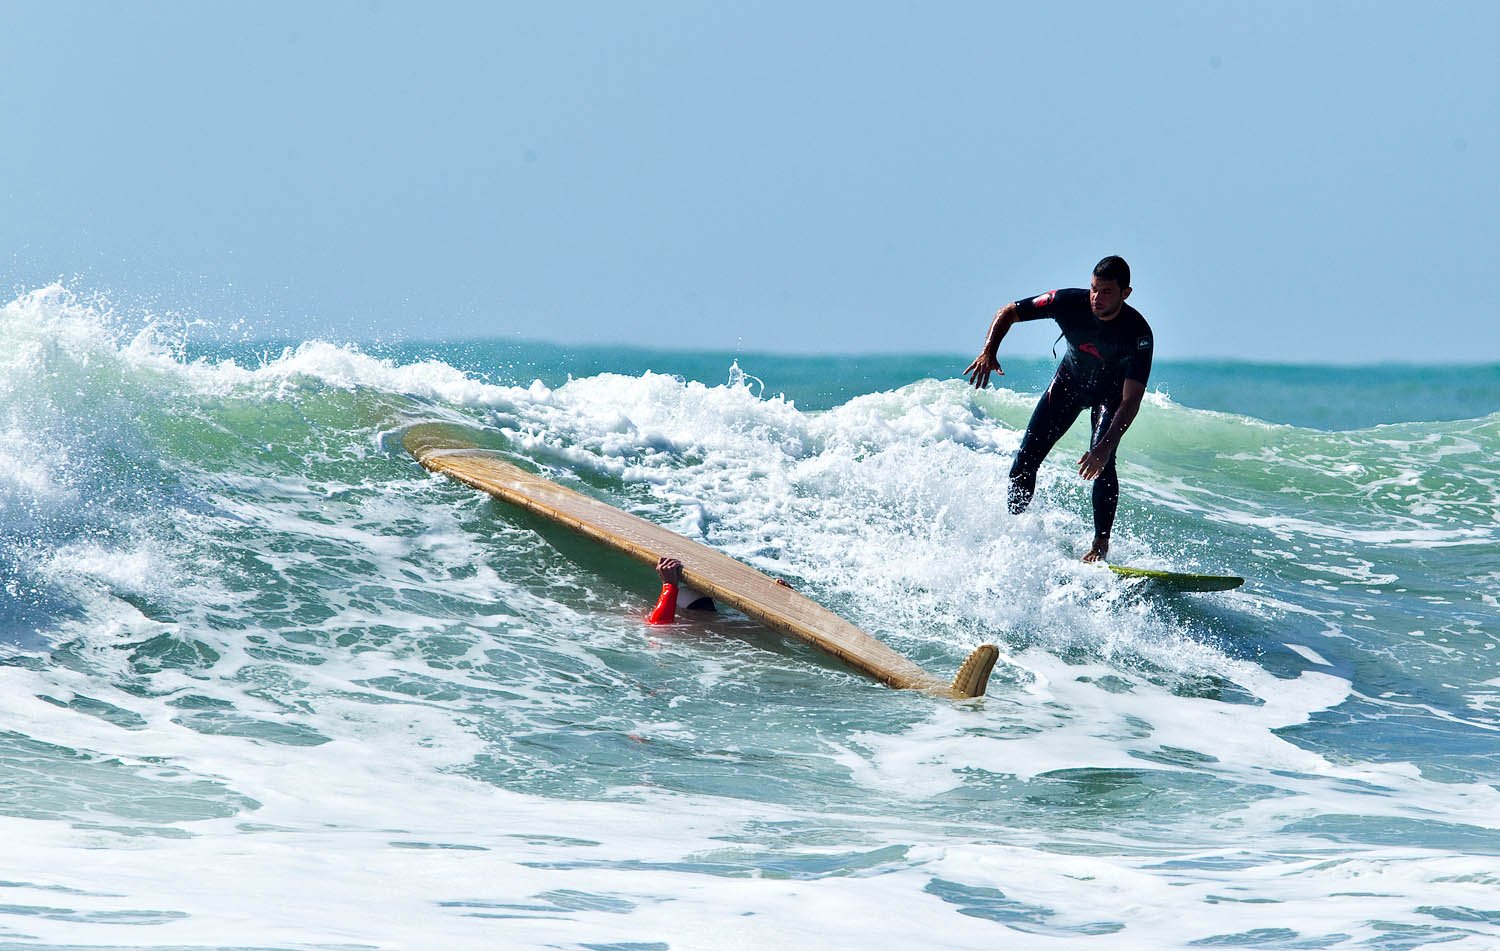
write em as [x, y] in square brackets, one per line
[1105, 370]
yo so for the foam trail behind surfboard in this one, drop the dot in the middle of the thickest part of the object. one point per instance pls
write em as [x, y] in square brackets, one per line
[447, 450]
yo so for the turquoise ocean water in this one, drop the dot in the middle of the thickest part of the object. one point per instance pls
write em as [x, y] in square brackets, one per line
[264, 683]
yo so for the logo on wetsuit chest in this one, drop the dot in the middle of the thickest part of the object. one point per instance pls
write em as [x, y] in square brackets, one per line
[1091, 350]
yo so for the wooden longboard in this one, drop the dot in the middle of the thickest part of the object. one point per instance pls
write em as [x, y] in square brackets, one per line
[1178, 581]
[714, 573]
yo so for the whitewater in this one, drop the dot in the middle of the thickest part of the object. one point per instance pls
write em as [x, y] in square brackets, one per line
[265, 683]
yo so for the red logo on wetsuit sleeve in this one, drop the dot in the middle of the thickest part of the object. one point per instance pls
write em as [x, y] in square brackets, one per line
[1044, 299]
[1091, 350]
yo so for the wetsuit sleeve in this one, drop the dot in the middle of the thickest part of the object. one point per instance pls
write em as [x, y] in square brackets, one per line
[1138, 365]
[666, 606]
[1051, 304]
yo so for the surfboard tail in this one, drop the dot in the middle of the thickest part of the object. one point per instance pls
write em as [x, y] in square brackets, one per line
[974, 676]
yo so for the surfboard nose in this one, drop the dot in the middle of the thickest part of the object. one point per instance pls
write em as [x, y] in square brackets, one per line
[974, 676]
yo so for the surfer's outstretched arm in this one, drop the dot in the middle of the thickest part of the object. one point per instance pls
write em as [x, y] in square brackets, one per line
[1099, 455]
[1098, 464]
[988, 360]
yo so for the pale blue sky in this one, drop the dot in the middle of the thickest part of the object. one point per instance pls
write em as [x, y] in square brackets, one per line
[1309, 181]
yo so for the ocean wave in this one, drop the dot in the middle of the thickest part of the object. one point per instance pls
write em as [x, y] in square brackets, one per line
[239, 620]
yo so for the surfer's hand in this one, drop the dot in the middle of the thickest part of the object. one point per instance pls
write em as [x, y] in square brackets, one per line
[669, 570]
[979, 371]
[1092, 464]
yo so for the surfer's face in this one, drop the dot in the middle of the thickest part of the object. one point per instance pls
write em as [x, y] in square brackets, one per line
[1106, 298]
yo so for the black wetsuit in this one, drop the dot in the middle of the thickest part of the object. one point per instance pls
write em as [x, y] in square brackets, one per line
[1102, 355]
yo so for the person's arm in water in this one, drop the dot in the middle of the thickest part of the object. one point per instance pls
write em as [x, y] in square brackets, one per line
[1094, 461]
[670, 572]
[988, 360]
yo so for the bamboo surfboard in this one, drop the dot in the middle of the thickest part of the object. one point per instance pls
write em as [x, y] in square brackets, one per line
[725, 579]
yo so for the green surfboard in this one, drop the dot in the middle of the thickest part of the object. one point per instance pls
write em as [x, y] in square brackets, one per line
[1178, 581]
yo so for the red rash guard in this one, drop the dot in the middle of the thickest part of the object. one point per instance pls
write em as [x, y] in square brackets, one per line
[666, 606]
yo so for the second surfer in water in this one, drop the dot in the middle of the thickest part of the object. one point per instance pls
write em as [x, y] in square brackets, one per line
[669, 570]
[1105, 369]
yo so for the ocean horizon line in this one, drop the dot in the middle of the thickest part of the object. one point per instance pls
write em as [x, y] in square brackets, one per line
[403, 341]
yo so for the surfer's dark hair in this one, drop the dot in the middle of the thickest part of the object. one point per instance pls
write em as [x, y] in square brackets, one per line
[1113, 268]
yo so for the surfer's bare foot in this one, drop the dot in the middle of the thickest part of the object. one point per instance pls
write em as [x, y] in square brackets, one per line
[1100, 549]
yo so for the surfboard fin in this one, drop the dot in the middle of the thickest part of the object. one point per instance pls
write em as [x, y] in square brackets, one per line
[974, 676]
